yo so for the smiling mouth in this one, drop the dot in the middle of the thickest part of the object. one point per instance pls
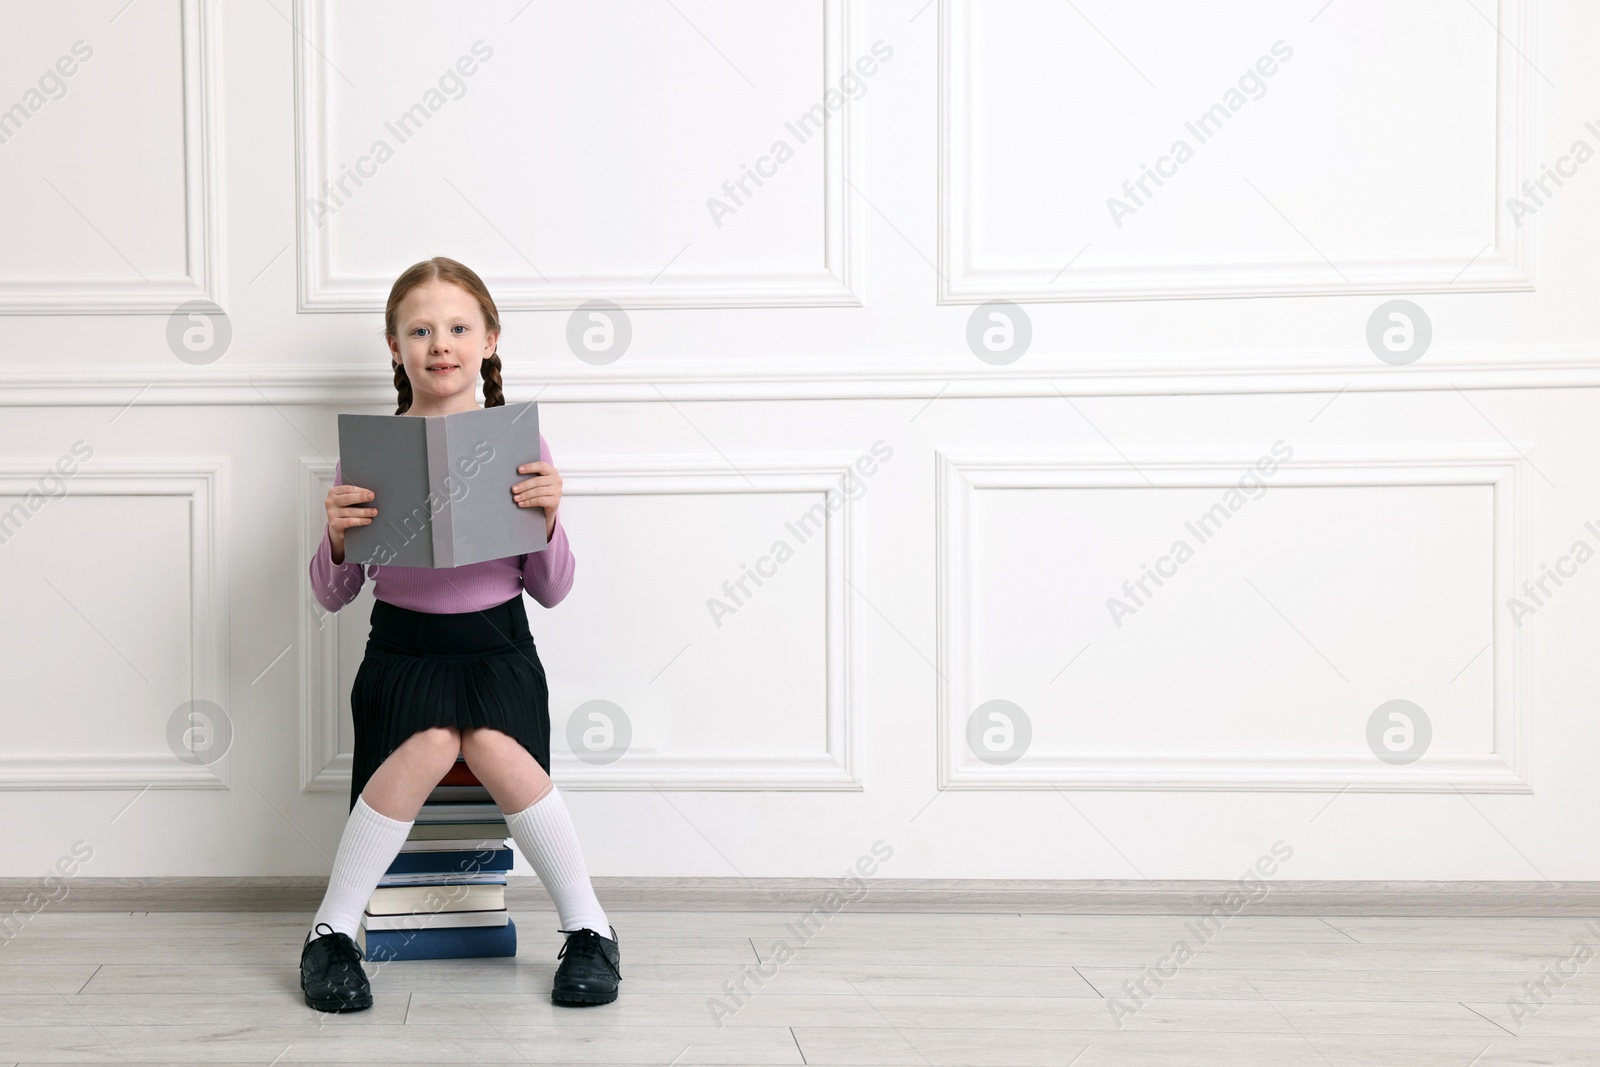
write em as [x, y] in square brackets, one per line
[441, 368]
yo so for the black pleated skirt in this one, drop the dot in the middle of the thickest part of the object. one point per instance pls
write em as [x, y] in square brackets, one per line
[476, 668]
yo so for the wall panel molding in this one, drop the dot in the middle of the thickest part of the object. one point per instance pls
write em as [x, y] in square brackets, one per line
[202, 482]
[828, 284]
[202, 206]
[1507, 265]
[823, 378]
[324, 768]
[961, 474]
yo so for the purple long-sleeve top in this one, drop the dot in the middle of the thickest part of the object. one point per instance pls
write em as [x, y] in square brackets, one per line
[547, 575]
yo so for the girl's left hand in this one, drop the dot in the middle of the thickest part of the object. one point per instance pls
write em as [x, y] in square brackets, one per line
[542, 491]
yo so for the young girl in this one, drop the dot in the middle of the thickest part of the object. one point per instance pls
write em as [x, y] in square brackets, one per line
[450, 668]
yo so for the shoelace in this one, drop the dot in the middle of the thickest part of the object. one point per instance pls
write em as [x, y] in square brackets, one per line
[339, 948]
[588, 946]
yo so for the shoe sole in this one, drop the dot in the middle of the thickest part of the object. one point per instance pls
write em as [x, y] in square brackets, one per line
[339, 1004]
[583, 998]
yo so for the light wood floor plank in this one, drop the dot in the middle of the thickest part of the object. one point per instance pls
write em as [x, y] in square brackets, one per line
[921, 988]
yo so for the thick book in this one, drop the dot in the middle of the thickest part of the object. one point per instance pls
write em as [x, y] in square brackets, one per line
[453, 862]
[459, 811]
[439, 831]
[459, 774]
[467, 877]
[459, 794]
[436, 921]
[454, 844]
[404, 899]
[442, 486]
[445, 943]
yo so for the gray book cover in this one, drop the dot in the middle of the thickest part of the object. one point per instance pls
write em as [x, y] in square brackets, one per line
[442, 486]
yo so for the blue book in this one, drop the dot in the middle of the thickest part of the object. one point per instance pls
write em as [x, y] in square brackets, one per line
[441, 943]
[451, 862]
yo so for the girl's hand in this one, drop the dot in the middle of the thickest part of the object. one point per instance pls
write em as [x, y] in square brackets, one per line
[542, 491]
[344, 513]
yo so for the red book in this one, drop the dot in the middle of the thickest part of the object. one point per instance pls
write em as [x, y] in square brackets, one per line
[459, 774]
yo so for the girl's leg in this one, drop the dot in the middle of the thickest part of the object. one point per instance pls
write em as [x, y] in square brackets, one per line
[539, 823]
[380, 821]
[403, 780]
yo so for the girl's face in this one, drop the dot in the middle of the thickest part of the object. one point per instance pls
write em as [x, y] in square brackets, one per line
[442, 342]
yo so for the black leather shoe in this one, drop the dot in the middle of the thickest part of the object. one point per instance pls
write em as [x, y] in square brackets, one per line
[590, 968]
[331, 974]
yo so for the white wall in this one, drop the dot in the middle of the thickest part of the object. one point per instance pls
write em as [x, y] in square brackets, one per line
[1225, 316]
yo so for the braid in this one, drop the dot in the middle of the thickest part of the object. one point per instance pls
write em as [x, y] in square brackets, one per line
[493, 393]
[402, 386]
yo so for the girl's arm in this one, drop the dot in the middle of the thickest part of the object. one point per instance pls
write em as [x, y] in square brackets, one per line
[334, 584]
[547, 575]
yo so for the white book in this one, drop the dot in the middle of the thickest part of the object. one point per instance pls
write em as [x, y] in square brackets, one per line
[404, 899]
[445, 878]
[460, 811]
[434, 920]
[460, 844]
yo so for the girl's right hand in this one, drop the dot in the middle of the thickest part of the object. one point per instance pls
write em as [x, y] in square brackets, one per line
[344, 512]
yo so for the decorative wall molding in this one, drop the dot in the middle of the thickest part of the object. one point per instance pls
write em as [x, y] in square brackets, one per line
[202, 206]
[1506, 266]
[202, 481]
[962, 473]
[826, 285]
[822, 378]
[324, 768]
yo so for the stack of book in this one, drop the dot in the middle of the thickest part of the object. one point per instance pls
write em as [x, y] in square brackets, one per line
[444, 896]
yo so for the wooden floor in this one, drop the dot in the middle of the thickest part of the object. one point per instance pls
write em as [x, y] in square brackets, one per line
[865, 989]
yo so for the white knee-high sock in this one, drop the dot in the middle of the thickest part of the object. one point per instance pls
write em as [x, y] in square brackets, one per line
[370, 843]
[544, 833]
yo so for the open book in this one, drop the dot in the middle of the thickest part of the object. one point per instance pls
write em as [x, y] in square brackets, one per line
[442, 486]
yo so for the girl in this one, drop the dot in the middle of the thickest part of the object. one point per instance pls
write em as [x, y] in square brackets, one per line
[450, 668]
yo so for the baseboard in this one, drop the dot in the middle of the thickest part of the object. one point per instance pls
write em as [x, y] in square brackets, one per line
[1032, 895]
